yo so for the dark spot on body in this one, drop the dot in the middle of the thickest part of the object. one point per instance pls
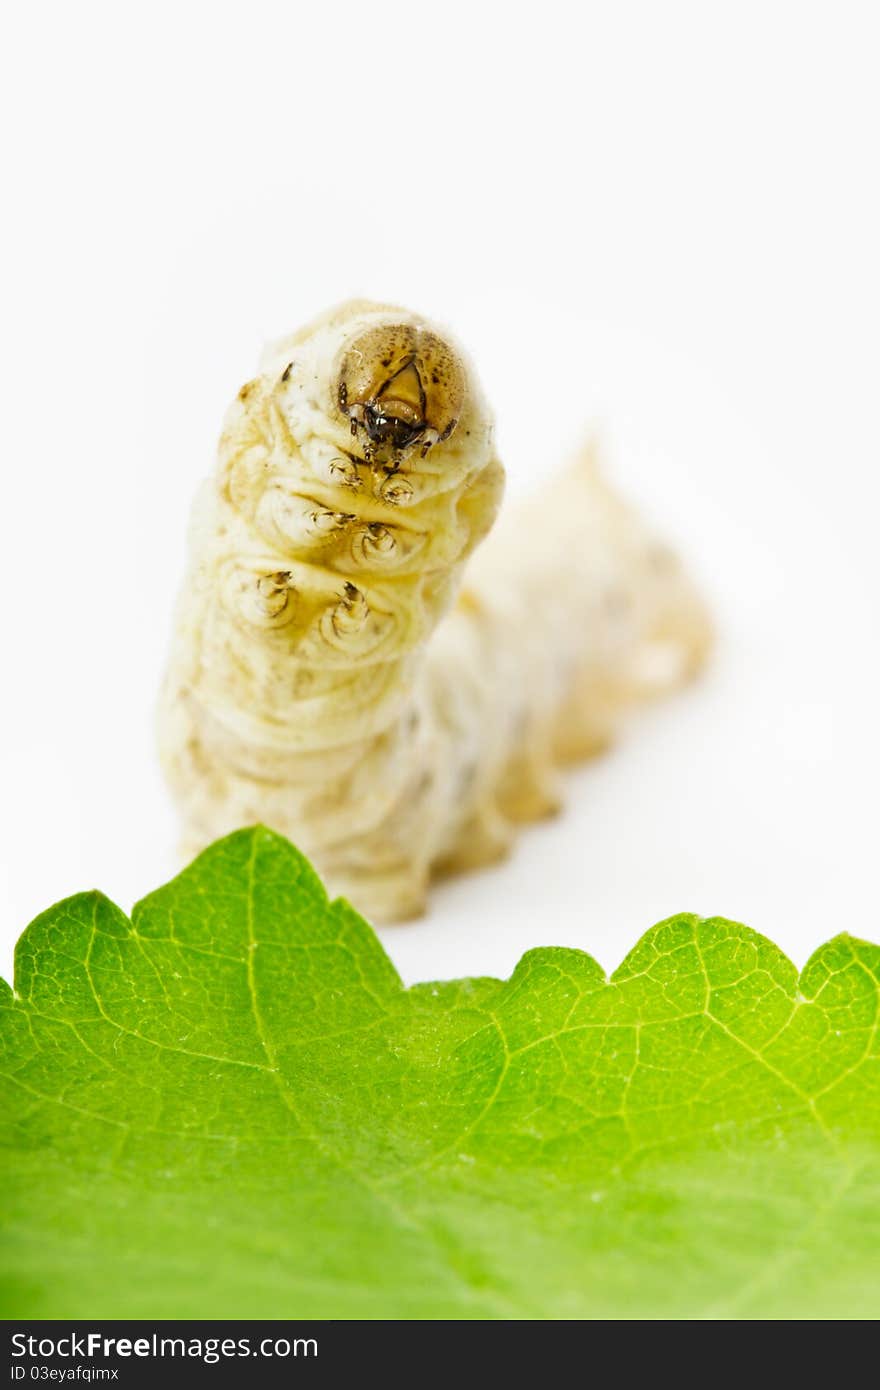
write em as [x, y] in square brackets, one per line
[616, 601]
[467, 777]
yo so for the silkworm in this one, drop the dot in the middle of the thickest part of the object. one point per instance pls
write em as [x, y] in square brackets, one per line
[335, 674]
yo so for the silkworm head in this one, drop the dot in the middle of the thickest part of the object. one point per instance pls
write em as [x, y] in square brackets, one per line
[402, 385]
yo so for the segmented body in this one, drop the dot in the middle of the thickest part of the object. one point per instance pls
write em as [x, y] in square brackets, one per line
[308, 688]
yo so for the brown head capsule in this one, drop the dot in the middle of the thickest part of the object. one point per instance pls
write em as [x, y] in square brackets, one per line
[402, 385]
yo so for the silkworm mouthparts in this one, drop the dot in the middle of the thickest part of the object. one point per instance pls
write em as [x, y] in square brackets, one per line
[403, 386]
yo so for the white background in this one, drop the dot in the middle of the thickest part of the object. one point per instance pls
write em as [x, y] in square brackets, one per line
[663, 218]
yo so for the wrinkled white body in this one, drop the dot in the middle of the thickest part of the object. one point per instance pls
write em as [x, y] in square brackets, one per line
[307, 687]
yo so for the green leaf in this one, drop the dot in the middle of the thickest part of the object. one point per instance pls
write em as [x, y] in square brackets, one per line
[229, 1106]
